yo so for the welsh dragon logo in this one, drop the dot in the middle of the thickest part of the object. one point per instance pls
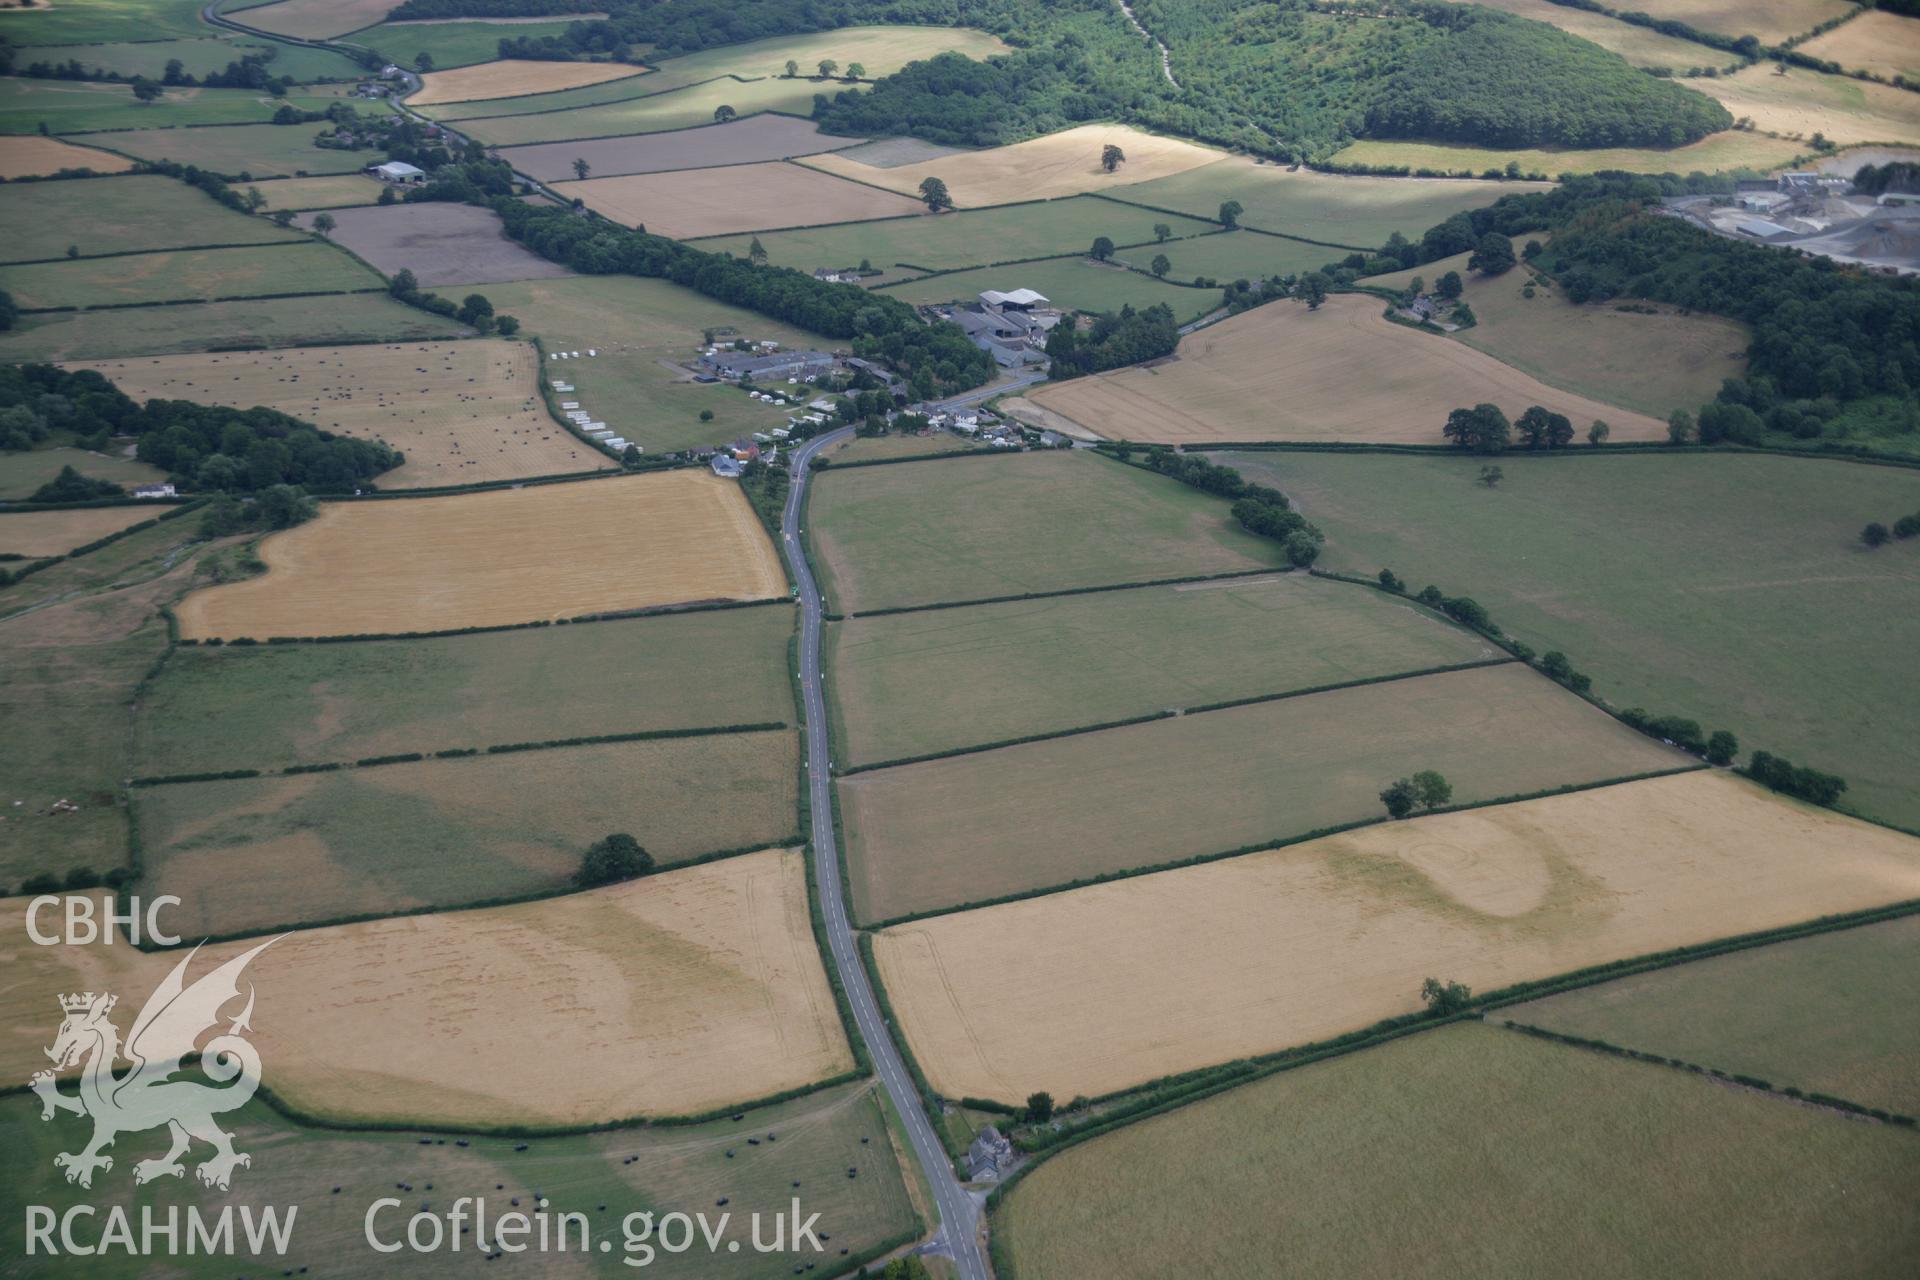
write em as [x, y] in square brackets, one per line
[146, 1095]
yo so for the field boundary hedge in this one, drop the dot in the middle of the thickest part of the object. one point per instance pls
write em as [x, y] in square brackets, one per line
[187, 302]
[1068, 591]
[140, 253]
[617, 615]
[1732, 1077]
[1175, 713]
[8, 579]
[1832, 453]
[1263, 846]
[827, 464]
[457, 753]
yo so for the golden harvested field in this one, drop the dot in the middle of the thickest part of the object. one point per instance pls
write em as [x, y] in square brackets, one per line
[1728, 149]
[1803, 103]
[513, 79]
[336, 191]
[1639, 45]
[1884, 43]
[462, 412]
[489, 559]
[1187, 968]
[1344, 372]
[673, 994]
[746, 197]
[1059, 164]
[54, 533]
[28, 156]
[316, 19]
[1771, 20]
[1653, 359]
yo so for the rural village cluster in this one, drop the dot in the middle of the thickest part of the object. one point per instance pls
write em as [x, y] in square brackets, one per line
[976, 640]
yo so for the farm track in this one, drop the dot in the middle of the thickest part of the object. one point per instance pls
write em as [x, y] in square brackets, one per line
[1166, 59]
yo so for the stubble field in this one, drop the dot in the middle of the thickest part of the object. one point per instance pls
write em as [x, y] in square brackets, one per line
[336, 192]
[916, 683]
[1806, 102]
[1342, 373]
[490, 559]
[513, 79]
[969, 529]
[316, 19]
[1498, 1155]
[975, 827]
[54, 533]
[462, 412]
[745, 197]
[1715, 153]
[1886, 44]
[1641, 46]
[1250, 955]
[28, 156]
[1771, 20]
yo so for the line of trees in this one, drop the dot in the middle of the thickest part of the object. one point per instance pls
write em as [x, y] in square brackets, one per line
[1798, 781]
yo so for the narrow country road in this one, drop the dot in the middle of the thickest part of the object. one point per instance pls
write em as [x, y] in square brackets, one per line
[1166, 59]
[958, 1235]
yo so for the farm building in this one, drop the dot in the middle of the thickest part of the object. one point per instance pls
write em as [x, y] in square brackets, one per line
[398, 172]
[726, 466]
[1017, 300]
[733, 365]
[831, 276]
[153, 491]
[989, 1155]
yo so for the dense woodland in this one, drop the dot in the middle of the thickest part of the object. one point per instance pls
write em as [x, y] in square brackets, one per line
[202, 447]
[1120, 338]
[937, 359]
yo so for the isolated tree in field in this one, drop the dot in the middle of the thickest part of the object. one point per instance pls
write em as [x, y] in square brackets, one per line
[1493, 255]
[423, 61]
[1431, 789]
[1039, 1107]
[793, 68]
[1492, 476]
[723, 113]
[1448, 286]
[1597, 433]
[1230, 211]
[1112, 157]
[1680, 427]
[1400, 798]
[581, 168]
[1722, 747]
[1102, 248]
[934, 192]
[757, 253]
[1875, 534]
[1160, 266]
[827, 67]
[146, 90]
[1162, 233]
[1313, 287]
[73, 251]
[706, 415]
[1482, 429]
[323, 224]
[1446, 999]
[856, 71]
[612, 859]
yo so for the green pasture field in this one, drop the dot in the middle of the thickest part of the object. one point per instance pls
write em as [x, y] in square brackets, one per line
[636, 324]
[76, 106]
[1075, 283]
[895, 445]
[1729, 589]
[1829, 1014]
[338, 192]
[131, 213]
[187, 273]
[1333, 208]
[973, 827]
[268, 706]
[241, 152]
[968, 238]
[1653, 359]
[679, 1168]
[283, 322]
[22, 473]
[198, 57]
[912, 684]
[881, 50]
[98, 21]
[259, 853]
[1239, 255]
[1715, 153]
[451, 44]
[970, 529]
[135, 559]
[1473, 1151]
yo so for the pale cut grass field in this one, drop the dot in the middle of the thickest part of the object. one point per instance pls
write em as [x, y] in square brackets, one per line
[513, 79]
[501, 557]
[338, 191]
[54, 533]
[1474, 1151]
[687, 203]
[1886, 44]
[1342, 373]
[970, 828]
[1771, 20]
[1058, 164]
[461, 412]
[1803, 102]
[1188, 968]
[669, 995]
[1715, 153]
[1830, 1013]
[29, 156]
[1641, 46]
[182, 275]
[315, 19]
